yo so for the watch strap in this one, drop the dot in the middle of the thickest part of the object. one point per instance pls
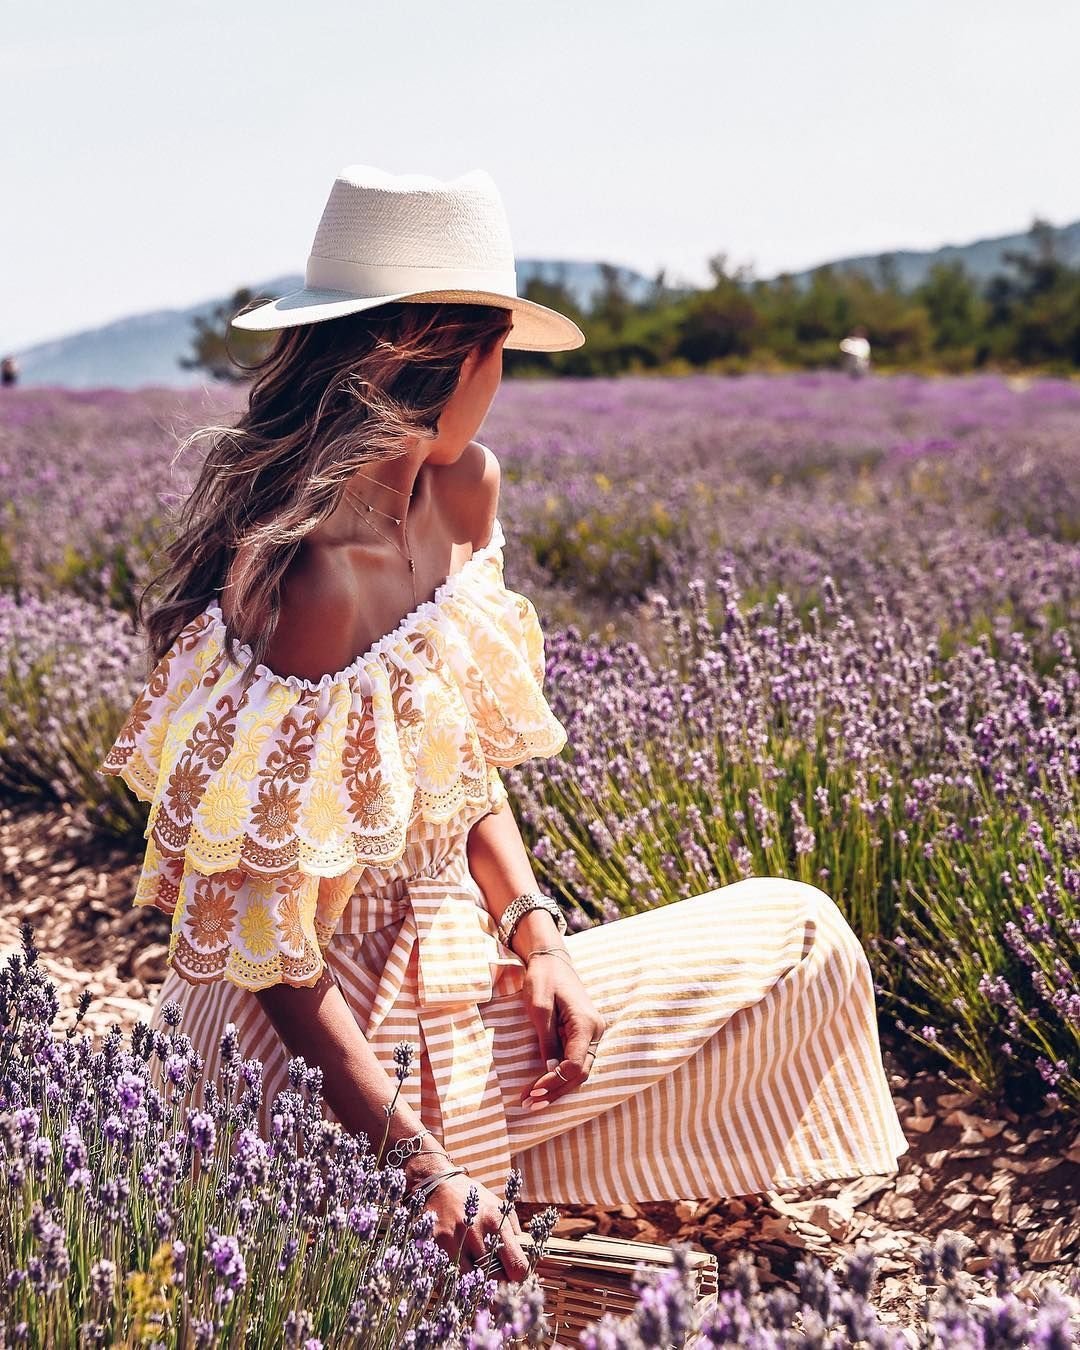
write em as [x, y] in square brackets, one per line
[524, 904]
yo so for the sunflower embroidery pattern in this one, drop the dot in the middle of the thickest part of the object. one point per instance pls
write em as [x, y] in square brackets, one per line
[369, 803]
[211, 913]
[138, 717]
[322, 815]
[186, 784]
[257, 928]
[275, 812]
[473, 763]
[224, 804]
[438, 762]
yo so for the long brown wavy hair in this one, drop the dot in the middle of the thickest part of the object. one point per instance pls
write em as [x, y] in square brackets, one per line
[326, 399]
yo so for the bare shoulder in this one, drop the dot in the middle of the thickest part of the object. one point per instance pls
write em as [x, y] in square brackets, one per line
[318, 610]
[321, 592]
[473, 492]
[319, 602]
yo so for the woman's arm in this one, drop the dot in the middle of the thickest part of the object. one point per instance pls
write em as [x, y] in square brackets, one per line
[318, 1024]
[568, 1024]
[500, 865]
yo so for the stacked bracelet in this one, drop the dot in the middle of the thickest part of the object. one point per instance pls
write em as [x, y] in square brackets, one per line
[426, 1187]
[411, 1147]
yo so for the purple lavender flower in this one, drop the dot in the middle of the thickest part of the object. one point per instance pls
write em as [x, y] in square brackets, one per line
[103, 1279]
[224, 1256]
[404, 1053]
[201, 1131]
[129, 1092]
[74, 1158]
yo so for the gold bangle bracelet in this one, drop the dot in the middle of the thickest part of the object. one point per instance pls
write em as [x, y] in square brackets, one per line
[548, 951]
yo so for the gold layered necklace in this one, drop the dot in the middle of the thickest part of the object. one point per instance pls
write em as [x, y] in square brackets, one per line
[398, 520]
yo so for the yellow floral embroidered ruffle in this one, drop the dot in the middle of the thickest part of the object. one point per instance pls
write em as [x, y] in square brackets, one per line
[267, 802]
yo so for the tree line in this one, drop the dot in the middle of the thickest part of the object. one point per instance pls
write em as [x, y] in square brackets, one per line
[1025, 316]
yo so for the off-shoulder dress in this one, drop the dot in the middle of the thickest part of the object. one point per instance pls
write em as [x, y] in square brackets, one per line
[297, 823]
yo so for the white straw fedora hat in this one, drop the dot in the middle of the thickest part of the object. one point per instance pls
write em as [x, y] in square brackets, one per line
[386, 237]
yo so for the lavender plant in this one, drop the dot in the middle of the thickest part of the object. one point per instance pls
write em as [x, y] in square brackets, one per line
[937, 799]
[67, 667]
[136, 1215]
[837, 1311]
[132, 1214]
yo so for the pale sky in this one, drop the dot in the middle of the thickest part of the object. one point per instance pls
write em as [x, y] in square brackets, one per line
[160, 156]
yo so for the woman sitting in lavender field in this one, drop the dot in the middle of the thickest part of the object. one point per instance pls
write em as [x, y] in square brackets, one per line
[339, 672]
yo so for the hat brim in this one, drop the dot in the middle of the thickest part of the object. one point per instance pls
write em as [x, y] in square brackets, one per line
[536, 327]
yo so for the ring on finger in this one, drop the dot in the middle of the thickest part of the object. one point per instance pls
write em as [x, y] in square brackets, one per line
[559, 1074]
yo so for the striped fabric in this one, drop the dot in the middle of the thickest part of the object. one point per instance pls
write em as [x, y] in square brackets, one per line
[741, 1051]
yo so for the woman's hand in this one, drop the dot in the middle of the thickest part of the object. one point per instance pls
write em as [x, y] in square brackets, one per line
[566, 1021]
[454, 1233]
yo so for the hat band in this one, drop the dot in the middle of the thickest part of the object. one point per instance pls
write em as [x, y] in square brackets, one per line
[370, 279]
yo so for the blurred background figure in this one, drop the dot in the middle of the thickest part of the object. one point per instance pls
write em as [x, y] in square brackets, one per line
[9, 370]
[856, 352]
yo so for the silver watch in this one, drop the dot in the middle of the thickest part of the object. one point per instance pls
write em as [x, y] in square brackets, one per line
[516, 910]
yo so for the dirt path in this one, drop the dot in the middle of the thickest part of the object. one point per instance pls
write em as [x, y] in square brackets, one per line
[973, 1168]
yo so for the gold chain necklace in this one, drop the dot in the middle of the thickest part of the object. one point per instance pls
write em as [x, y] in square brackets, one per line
[400, 491]
[398, 520]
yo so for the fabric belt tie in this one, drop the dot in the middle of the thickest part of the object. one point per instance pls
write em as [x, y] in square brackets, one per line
[439, 970]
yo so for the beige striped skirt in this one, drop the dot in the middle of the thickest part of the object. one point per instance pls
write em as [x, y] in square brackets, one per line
[741, 1049]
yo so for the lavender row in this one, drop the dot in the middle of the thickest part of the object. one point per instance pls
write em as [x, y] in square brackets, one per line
[141, 1205]
[957, 501]
[836, 638]
[935, 797]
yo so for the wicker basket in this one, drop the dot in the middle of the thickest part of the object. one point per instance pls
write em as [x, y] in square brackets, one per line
[585, 1277]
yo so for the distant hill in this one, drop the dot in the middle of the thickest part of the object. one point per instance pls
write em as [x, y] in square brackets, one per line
[145, 348]
[982, 258]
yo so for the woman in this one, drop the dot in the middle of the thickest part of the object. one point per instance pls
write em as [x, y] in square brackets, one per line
[330, 832]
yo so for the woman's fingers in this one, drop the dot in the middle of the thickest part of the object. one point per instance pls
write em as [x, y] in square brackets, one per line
[544, 1016]
[578, 1061]
[511, 1254]
[582, 1040]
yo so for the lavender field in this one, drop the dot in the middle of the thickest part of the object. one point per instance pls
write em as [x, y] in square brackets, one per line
[795, 625]
[798, 625]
